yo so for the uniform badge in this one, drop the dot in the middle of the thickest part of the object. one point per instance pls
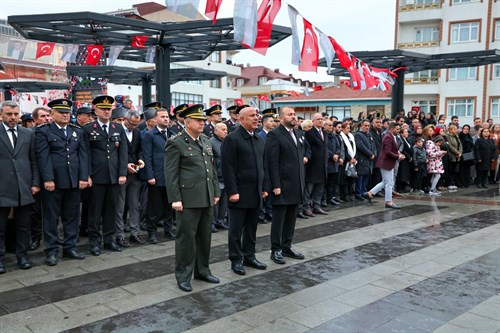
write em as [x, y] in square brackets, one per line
[74, 134]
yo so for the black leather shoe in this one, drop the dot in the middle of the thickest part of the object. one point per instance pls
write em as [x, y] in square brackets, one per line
[2, 268]
[136, 239]
[95, 251]
[73, 254]
[208, 278]
[334, 202]
[24, 263]
[319, 211]
[308, 212]
[121, 241]
[238, 268]
[254, 263]
[339, 200]
[152, 238]
[214, 229]
[169, 234]
[222, 226]
[359, 197]
[185, 286]
[35, 244]
[113, 247]
[301, 215]
[51, 260]
[291, 253]
[277, 257]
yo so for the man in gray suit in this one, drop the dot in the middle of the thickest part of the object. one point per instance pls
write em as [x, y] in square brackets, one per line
[20, 182]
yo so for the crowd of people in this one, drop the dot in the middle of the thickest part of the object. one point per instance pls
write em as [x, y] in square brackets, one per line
[115, 172]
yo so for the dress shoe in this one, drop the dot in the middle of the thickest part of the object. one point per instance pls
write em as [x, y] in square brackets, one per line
[319, 211]
[51, 260]
[112, 247]
[222, 226]
[185, 286]
[238, 268]
[24, 263]
[2, 268]
[277, 257]
[308, 212]
[59, 241]
[339, 200]
[292, 253]
[169, 234]
[209, 278]
[369, 197]
[152, 238]
[35, 244]
[359, 197]
[254, 263]
[214, 228]
[268, 217]
[95, 251]
[121, 241]
[136, 239]
[484, 186]
[301, 215]
[73, 254]
[393, 206]
[334, 202]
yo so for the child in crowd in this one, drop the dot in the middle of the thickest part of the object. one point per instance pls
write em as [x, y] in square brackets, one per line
[435, 162]
[419, 164]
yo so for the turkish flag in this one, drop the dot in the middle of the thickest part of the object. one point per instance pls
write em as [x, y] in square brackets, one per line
[138, 42]
[317, 88]
[294, 93]
[264, 98]
[265, 17]
[310, 49]
[344, 59]
[44, 49]
[238, 101]
[212, 9]
[94, 53]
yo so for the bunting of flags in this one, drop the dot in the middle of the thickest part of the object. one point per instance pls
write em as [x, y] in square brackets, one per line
[212, 9]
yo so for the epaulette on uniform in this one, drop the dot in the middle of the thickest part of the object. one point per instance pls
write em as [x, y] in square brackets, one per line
[205, 136]
[175, 136]
[73, 125]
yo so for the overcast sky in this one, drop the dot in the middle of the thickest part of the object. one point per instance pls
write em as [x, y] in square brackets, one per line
[358, 25]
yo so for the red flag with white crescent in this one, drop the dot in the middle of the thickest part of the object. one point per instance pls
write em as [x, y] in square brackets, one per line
[264, 98]
[294, 93]
[138, 42]
[238, 101]
[266, 14]
[310, 49]
[212, 9]
[94, 53]
[317, 88]
[44, 49]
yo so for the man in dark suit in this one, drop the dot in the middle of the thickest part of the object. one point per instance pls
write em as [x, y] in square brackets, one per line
[153, 147]
[365, 155]
[107, 150]
[386, 161]
[285, 153]
[232, 122]
[220, 209]
[376, 134]
[316, 167]
[335, 157]
[215, 115]
[243, 172]
[266, 209]
[193, 189]
[178, 125]
[129, 192]
[63, 162]
[20, 182]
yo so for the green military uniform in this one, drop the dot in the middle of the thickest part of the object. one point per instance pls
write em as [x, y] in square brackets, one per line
[191, 177]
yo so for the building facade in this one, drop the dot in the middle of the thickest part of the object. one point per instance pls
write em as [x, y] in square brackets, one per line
[451, 26]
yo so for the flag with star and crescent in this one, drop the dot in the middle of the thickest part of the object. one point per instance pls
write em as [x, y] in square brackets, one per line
[94, 52]
[310, 49]
[44, 49]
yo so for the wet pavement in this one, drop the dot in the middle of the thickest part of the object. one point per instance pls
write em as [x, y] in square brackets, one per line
[434, 265]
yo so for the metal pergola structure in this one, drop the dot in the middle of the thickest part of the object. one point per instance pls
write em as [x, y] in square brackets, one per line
[30, 86]
[143, 77]
[174, 41]
[415, 62]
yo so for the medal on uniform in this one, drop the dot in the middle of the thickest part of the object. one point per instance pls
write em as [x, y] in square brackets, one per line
[74, 134]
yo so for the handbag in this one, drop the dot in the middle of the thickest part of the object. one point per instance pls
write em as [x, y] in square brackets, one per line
[468, 156]
[351, 172]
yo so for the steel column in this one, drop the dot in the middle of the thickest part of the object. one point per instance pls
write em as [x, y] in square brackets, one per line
[398, 90]
[163, 75]
[146, 90]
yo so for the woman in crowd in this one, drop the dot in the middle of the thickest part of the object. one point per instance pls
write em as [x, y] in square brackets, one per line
[465, 164]
[417, 134]
[439, 130]
[346, 183]
[430, 119]
[484, 151]
[405, 166]
[435, 164]
[306, 125]
[455, 149]
[422, 118]
[495, 136]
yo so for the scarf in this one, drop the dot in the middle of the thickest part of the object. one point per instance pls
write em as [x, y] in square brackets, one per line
[351, 148]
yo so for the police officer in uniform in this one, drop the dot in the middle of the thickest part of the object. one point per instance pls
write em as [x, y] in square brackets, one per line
[178, 126]
[232, 122]
[271, 112]
[215, 113]
[107, 150]
[63, 164]
[193, 189]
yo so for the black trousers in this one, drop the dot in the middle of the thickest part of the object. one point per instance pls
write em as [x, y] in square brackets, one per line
[220, 210]
[22, 223]
[143, 202]
[332, 183]
[36, 217]
[84, 199]
[283, 226]
[158, 208]
[242, 233]
[102, 198]
[65, 204]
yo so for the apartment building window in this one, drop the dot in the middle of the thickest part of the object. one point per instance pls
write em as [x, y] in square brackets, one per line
[196, 82]
[215, 56]
[465, 73]
[262, 80]
[215, 83]
[426, 105]
[182, 98]
[461, 107]
[463, 1]
[426, 76]
[422, 2]
[339, 111]
[465, 32]
[495, 107]
[240, 82]
[496, 71]
[496, 32]
[426, 34]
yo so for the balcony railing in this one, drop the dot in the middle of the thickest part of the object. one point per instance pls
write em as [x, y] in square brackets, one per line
[433, 43]
[410, 7]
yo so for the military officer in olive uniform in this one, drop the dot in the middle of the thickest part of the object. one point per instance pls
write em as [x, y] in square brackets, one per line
[232, 122]
[63, 163]
[178, 125]
[108, 156]
[215, 113]
[193, 189]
